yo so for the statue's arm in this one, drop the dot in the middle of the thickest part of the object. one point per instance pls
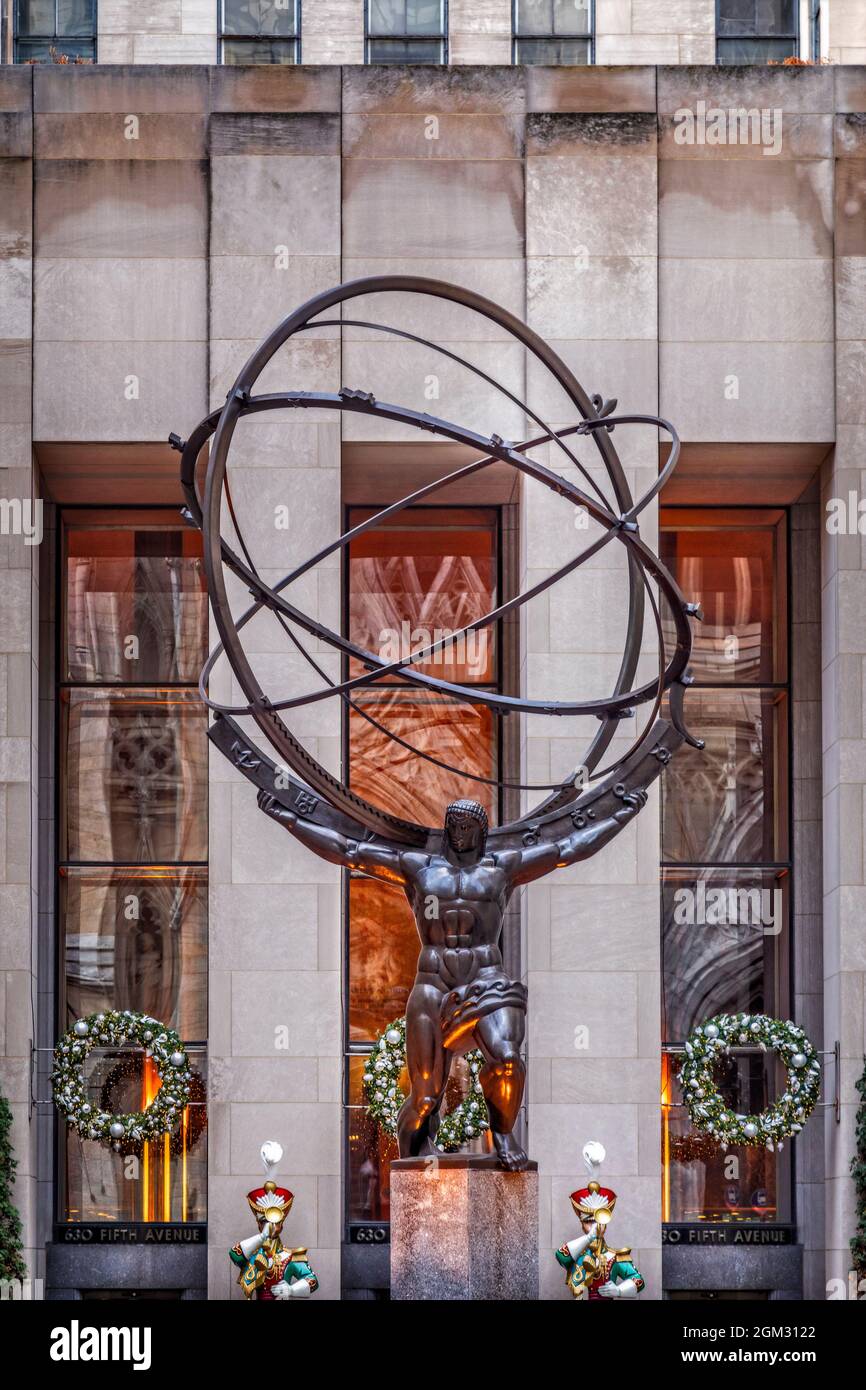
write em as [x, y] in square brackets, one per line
[539, 860]
[380, 861]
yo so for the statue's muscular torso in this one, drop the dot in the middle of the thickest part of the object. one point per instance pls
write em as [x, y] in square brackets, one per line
[459, 912]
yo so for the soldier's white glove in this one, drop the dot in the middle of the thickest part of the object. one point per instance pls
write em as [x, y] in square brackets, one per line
[627, 1289]
[299, 1288]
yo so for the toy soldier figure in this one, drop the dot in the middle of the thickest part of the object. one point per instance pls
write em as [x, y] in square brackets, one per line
[592, 1269]
[462, 998]
[268, 1270]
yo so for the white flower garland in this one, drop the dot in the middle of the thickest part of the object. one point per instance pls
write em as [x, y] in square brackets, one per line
[110, 1029]
[786, 1116]
[384, 1097]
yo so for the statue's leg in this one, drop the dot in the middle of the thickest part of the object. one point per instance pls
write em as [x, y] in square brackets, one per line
[428, 1063]
[499, 1036]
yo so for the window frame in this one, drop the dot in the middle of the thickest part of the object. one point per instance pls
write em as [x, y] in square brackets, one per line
[251, 39]
[441, 38]
[671, 1051]
[815, 30]
[356, 1048]
[117, 516]
[517, 37]
[744, 38]
[52, 39]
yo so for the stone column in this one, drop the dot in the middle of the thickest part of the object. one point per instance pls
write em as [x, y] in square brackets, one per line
[19, 651]
[843, 658]
[846, 32]
[162, 31]
[275, 1038]
[332, 31]
[121, 242]
[592, 931]
[642, 31]
[479, 31]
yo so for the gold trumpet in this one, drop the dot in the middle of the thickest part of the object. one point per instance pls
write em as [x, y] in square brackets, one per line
[593, 1263]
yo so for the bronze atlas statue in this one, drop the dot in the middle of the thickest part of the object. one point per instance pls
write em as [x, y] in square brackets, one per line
[457, 876]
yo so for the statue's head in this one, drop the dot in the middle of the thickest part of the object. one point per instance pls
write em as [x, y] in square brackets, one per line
[466, 827]
[270, 1204]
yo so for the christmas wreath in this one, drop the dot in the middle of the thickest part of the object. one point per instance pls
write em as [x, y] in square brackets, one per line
[384, 1097]
[786, 1116]
[184, 1137]
[111, 1029]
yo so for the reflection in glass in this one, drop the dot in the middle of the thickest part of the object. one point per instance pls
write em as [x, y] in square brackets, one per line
[169, 1173]
[383, 954]
[417, 582]
[370, 1151]
[136, 608]
[726, 803]
[735, 573]
[724, 945]
[36, 17]
[235, 52]
[703, 1182]
[552, 17]
[277, 17]
[137, 939]
[136, 776]
[405, 17]
[743, 18]
[459, 734]
[46, 31]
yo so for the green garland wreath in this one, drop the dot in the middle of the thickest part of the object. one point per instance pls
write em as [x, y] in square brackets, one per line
[110, 1029]
[786, 1116]
[384, 1097]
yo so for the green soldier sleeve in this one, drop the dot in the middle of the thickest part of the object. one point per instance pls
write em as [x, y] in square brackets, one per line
[299, 1269]
[564, 1257]
[624, 1269]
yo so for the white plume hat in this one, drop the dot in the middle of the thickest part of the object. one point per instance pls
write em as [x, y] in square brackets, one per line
[593, 1157]
[272, 1154]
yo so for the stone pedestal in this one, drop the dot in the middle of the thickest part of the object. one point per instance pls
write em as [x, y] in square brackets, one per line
[462, 1228]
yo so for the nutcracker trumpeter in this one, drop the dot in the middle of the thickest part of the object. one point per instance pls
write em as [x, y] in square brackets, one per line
[268, 1270]
[593, 1270]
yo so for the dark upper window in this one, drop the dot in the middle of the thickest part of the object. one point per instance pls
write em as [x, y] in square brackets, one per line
[756, 31]
[406, 31]
[55, 31]
[260, 31]
[553, 31]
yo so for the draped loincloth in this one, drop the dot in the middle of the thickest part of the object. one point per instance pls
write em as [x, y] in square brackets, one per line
[466, 1005]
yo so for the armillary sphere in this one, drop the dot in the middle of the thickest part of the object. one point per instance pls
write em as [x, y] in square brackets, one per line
[317, 794]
